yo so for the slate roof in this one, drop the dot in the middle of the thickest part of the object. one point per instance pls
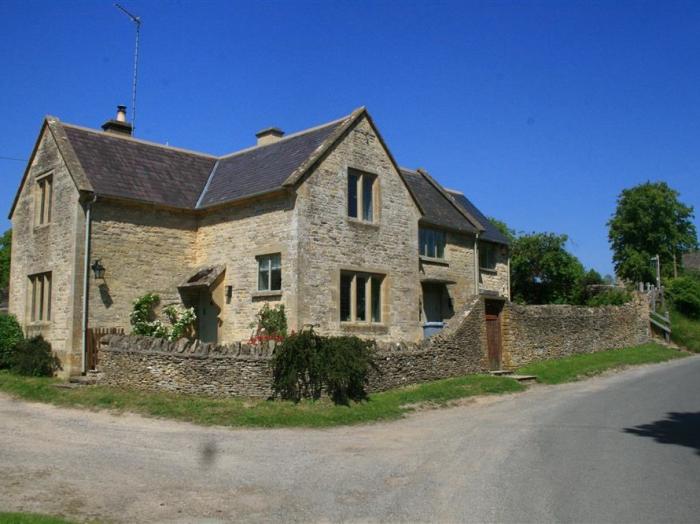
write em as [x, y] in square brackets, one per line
[490, 232]
[263, 168]
[123, 167]
[438, 210]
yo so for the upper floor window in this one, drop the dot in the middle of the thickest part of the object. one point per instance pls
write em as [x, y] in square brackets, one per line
[40, 297]
[270, 272]
[44, 194]
[487, 256]
[360, 297]
[361, 193]
[432, 243]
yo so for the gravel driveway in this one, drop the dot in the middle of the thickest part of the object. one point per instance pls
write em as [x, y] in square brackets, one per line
[571, 453]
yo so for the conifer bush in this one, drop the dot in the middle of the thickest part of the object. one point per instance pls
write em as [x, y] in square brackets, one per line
[306, 364]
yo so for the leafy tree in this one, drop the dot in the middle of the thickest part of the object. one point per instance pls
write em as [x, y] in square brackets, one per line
[5, 246]
[650, 220]
[583, 290]
[507, 232]
[543, 271]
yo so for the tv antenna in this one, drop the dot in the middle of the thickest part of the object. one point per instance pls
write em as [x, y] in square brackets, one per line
[137, 22]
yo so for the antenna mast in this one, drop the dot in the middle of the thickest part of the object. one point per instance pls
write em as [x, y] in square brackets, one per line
[137, 23]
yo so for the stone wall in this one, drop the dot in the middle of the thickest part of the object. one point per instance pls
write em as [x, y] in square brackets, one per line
[233, 236]
[144, 250]
[532, 333]
[152, 364]
[330, 241]
[496, 279]
[56, 247]
[459, 349]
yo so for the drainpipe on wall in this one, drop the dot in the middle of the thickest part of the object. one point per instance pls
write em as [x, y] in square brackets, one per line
[508, 273]
[476, 263]
[86, 281]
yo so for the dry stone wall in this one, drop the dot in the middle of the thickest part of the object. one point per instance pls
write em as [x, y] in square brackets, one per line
[532, 333]
[529, 333]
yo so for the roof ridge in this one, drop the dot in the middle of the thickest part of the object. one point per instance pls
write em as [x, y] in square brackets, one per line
[292, 135]
[138, 140]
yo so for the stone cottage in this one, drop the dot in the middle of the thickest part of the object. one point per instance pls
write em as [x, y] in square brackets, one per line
[323, 221]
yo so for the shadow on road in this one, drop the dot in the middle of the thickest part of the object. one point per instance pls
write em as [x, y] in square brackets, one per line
[681, 429]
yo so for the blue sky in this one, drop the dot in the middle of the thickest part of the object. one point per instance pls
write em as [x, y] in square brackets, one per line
[542, 112]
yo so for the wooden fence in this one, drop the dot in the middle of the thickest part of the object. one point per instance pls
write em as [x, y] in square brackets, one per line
[93, 343]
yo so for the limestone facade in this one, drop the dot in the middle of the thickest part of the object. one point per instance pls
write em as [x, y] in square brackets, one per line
[149, 248]
[54, 248]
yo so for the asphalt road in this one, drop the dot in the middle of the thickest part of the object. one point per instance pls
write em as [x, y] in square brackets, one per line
[620, 448]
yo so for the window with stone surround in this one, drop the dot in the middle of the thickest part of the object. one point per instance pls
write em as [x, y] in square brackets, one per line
[431, 242]
[40, 297]
[360, 297]
[43, 199]
[361, 195]
[487, 256]
[270, 272]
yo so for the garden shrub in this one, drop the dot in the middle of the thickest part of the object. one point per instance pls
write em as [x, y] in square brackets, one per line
[684, 292]
[270, 323]
[610, 297]
[297, 368]
[144, 321]
[306, 364]
[33, 357]
[346, 363]
[10, 335]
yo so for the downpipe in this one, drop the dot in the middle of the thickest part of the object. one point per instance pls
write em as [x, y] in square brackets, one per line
[86, 281]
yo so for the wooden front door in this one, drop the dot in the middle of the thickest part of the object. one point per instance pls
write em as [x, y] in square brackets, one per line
[493, 332]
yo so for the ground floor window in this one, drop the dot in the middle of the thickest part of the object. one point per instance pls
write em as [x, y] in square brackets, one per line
[270, 272]
[40, 297]
[360, 297]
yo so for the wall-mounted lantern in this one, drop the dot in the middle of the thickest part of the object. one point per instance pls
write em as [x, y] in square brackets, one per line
[98, 269]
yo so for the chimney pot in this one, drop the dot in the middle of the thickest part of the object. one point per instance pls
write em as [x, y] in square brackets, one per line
[269, 135]
[121, 113]
[118, 125]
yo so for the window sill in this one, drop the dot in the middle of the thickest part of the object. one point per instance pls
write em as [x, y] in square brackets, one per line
[38, 324]
[267, 294]
[41, 227]
[434, 261]
[374, 327]
[488, 270]
[358, 222]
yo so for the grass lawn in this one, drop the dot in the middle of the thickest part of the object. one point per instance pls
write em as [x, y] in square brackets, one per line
[584, 365]
[388, 405]
[29, 518]
[685, 331]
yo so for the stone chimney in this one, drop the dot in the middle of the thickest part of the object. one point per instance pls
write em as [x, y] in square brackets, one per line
[269, 135]
[119, 124]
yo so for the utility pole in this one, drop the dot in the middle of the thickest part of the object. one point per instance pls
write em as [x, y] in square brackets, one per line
[137, 22]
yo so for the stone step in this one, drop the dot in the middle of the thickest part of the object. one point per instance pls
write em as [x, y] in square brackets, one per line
[523, 378]
[501, 372]
[86, 380]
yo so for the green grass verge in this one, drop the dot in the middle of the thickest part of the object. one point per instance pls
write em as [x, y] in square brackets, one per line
[388, 405]
[685, 331]
[584, 365]
[29, 518]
